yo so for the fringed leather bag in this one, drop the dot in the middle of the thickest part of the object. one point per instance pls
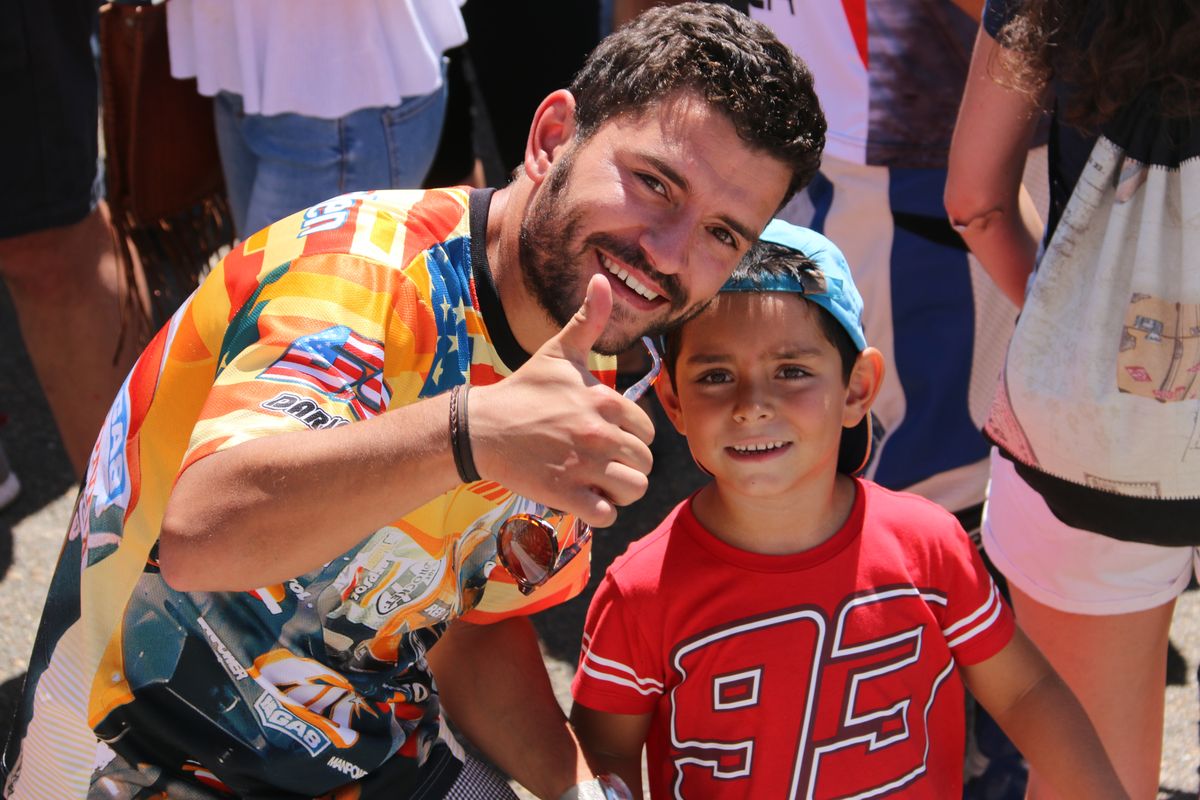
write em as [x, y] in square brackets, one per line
[166, 191]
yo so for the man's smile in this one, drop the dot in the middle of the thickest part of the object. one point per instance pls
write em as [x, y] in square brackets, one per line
[625, 274]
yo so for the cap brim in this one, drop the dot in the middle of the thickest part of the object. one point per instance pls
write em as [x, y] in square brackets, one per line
[855, 450]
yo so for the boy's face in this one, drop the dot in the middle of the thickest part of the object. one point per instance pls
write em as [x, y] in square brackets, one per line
[663, 204]
[759, 393]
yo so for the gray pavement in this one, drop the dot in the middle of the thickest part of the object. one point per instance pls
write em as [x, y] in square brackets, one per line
[31, 532]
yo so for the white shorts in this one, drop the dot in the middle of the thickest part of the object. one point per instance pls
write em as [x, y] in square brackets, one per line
[1070, 569]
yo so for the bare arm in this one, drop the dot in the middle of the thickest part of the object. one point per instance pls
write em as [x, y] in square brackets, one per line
[493, 685]
[613, 742]
[984, 196]
[273, 508]
[1039, 713]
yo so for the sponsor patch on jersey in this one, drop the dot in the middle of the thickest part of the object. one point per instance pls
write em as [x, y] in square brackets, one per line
[304, 410]
[276, 716]
[346, 768]
[330, 215]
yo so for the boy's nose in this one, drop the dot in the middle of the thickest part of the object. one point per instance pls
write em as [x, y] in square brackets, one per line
[751, 405]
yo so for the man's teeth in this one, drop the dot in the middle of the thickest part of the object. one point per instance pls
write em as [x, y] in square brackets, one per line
[630, 281]
[758, 448]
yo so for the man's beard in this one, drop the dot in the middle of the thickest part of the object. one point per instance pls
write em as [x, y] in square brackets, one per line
[545, 251]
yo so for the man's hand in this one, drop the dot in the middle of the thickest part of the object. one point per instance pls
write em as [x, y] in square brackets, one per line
[553, 433]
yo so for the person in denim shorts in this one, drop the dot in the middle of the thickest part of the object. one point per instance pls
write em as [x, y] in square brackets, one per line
[56, 251]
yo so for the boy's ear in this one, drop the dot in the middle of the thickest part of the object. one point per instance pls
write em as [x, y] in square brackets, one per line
[665, 388]
[863, 387]
[553, 129]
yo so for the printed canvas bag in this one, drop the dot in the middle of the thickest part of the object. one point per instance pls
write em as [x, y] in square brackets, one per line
[1101, 385]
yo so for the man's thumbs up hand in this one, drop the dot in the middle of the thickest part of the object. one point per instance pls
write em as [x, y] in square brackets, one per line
[553, 433]
[577, 338]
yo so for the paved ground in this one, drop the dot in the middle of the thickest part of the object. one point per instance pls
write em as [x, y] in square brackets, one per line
[31, 529]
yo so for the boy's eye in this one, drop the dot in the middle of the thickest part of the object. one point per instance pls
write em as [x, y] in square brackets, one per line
[792, 372]
[654, 184]
[715, 376]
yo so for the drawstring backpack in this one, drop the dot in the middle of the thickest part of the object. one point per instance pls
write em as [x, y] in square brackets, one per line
[1099, 402]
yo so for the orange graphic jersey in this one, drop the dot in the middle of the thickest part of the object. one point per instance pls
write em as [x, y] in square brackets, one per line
[318, 686]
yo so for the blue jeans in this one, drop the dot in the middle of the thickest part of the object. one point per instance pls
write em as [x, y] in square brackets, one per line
[279, 164]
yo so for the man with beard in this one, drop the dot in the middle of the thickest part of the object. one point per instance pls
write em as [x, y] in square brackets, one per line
[292, 501]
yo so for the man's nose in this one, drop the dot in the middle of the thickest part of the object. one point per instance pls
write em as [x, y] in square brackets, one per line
[666, 242]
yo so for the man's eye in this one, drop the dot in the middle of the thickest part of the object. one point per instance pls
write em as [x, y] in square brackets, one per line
[653, 183]
[724, 236]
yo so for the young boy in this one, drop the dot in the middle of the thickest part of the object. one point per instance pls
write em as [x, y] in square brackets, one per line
[791, 630]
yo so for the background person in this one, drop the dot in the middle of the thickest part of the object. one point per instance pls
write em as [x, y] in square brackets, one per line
[314, 99]
[56, 243]
[1099, 606]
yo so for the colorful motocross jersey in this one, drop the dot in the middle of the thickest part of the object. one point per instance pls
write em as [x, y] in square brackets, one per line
[318, 686]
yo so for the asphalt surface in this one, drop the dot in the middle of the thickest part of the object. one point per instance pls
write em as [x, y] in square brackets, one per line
[31, 531]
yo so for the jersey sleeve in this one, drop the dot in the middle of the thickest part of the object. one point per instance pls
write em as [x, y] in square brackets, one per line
[618, 671]
[978, 622]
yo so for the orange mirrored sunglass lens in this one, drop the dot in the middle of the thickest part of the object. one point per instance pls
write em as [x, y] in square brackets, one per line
[527, 548]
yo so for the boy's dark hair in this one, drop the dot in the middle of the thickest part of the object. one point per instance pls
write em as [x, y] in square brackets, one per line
[735, 63]
[763, 261]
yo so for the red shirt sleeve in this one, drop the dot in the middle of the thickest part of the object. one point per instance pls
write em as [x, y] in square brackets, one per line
[978, 622]
[618, 671]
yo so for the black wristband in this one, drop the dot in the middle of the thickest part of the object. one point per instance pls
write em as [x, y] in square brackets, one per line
[460, 435]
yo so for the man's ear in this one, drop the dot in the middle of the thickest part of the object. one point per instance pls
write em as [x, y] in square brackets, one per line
[665, 388]
[863, 387]
[553, 129]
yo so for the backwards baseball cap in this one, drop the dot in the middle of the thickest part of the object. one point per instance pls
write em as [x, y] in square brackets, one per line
[828, 284]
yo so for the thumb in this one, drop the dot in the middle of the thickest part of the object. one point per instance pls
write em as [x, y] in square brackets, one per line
[579, 335]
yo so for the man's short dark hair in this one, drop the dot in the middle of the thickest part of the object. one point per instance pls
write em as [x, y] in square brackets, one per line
[762, 262]
[735, 63]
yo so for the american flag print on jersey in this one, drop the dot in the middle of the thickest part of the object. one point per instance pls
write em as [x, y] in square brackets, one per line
[318, 685]
[339, 363]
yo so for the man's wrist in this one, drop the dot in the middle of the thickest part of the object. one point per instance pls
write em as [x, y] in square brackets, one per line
[602, 787]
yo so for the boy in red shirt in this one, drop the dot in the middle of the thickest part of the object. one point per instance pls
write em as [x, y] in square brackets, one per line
[791, 630]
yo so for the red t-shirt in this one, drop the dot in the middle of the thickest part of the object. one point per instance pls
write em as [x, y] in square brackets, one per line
[827, 673]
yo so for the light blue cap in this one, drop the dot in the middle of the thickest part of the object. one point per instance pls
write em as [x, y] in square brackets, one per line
[829, 285]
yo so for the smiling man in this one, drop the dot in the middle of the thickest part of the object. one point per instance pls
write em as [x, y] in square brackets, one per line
[287, 558]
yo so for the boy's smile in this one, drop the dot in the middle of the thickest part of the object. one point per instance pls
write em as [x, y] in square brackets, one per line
[761, 394]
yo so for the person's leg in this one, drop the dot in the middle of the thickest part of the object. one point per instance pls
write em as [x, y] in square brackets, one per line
[56, 248]
[66, 285]
[1100, 609]
[238, 162]
[1116, 665]
[411, 133]
[301, 161]
[298, 163]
